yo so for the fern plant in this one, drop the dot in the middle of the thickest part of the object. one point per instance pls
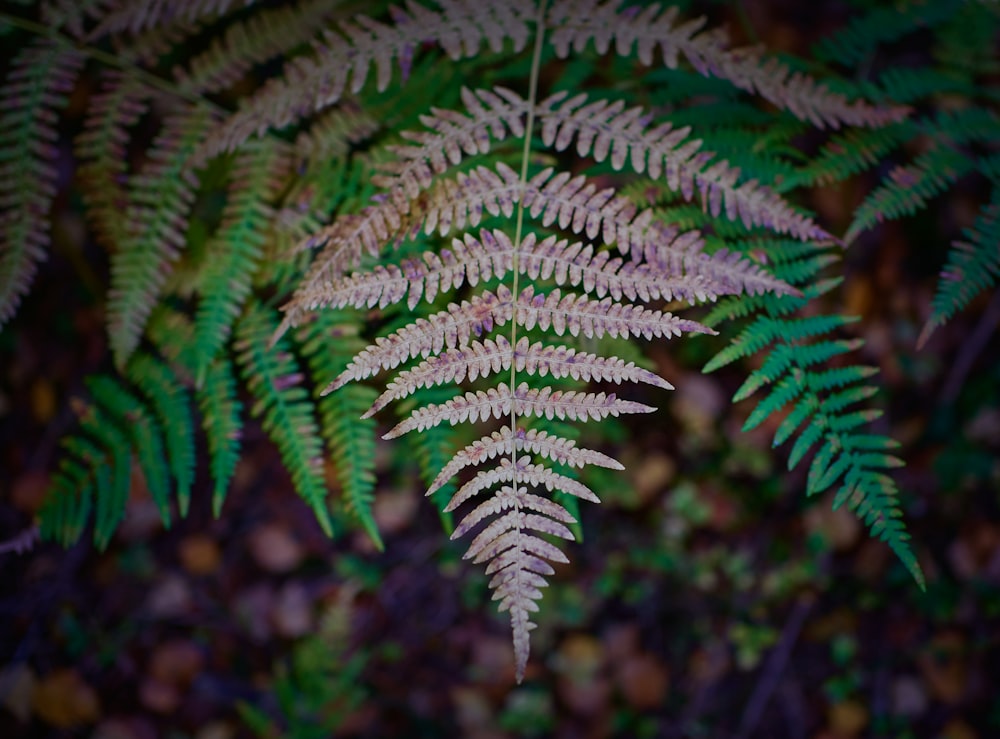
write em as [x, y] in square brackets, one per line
[954, 135]
[627, 254]
[503, 248]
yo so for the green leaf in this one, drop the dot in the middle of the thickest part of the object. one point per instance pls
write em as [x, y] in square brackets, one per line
[288, 416]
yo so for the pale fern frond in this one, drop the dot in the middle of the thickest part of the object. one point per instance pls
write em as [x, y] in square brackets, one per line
[532, 441]
[532, 474]
[480, 359]
[449, 328]
[341, 61]
[574, 314]
[257, 39]
[604, 129]
[609, 23]
[526, 401]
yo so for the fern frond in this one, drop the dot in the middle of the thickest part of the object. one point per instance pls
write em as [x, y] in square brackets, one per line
[332, 134]
[263, 36]
[136, 17]
[100, 463]
[258, 173]
[132, 418]
[524, 401]
[480, 359]
[530, 441]
[162, 194]
[914, 85]
[171, 406]
[853, 151]
[273, 378]
[68, 503]
[602, 129]
[909, 188]
[38, 83]
[328, 344]
[220, 410]
[820, 402]
[874, 498]
[592, 263]
[101, 147]
[575, 23]
[72, 15]
[973, 266]
[865, 31]
[310, 84]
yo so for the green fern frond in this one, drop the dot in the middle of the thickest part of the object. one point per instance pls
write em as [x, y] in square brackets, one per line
[795, 375]
[68, 502]
[157, 215]
[281, 402]
[907, 85]
[854, 151]
[909, 188]
[853, 43]
[232, 254]
[132, 417]
[172, 406]
[328, 344]
[96, 473]
[874, 498]
[765, 330]
[221, 411]
[38, 83]
[973, 267]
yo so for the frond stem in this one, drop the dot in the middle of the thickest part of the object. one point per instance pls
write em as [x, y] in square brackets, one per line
[517, 621]
[536, 60]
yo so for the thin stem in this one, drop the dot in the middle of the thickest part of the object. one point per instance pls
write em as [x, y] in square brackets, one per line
[517, 613]
[536, 60]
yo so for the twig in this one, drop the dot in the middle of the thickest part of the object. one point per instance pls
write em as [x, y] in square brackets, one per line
[774, 667]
